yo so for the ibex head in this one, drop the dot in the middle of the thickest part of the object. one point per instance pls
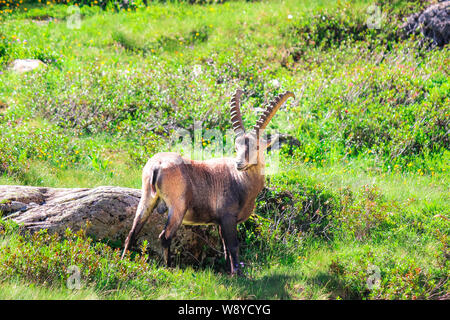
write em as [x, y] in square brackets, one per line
[250, 146]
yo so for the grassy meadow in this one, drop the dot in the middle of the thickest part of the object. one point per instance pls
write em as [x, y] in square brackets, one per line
[359, 207]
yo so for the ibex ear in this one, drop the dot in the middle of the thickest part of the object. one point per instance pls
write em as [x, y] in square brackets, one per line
[268, 143]
[271, 141]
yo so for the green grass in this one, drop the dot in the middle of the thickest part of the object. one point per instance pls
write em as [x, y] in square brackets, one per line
[366, 185]
[23, 291]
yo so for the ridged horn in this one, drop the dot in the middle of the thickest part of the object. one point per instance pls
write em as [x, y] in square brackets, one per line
[235, 112]
[272, 108]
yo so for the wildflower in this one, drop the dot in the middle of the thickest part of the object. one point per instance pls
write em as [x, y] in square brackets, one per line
[275, 83]
[197, 70]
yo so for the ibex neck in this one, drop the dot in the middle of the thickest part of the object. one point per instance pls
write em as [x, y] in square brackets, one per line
[253, 177]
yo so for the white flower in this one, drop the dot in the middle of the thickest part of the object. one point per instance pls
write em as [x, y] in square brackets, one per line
[275, 83]
[290, 16]
[197, 70]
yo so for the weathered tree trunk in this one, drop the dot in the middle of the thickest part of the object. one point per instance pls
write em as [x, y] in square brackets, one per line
[110, 211]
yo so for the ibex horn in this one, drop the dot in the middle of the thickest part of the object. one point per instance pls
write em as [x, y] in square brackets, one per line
[235, 111]
[273, 107]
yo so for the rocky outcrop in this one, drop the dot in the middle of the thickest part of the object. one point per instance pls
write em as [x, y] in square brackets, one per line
[433, 23]
[110, 212]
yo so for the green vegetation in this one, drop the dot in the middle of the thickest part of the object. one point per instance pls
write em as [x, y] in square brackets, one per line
[364, 191]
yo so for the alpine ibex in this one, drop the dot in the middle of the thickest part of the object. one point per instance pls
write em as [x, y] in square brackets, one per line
[216, 191]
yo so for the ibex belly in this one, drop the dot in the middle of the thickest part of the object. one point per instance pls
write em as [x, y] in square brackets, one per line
[193, 217]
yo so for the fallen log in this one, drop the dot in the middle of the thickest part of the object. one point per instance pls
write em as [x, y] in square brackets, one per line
[110, 212]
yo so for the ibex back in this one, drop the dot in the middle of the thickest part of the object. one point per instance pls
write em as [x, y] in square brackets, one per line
[217, 191]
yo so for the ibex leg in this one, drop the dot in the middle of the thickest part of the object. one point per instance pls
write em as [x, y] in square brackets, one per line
[225, 251]
[174, 220]
[145, 207]
[229, 232]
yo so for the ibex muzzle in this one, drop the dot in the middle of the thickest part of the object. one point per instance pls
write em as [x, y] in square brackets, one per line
[216, 191]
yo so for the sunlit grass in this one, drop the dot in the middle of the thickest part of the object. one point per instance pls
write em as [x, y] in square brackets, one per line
[22, 291]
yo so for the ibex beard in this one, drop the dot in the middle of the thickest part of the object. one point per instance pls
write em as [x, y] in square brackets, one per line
[217, 191]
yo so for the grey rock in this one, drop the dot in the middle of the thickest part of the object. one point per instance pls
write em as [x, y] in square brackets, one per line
[110, 212]
[12, 206]
[25, 65]
[433, 23]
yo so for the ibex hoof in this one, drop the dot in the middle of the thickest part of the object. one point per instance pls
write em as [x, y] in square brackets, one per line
[237, 270]
[237, 273]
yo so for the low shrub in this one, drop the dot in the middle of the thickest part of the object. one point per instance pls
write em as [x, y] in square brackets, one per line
[49, 259]
[386, 275]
